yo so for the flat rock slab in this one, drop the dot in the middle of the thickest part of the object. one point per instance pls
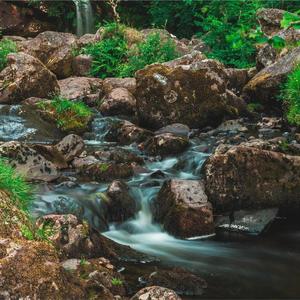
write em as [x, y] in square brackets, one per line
[252, 222]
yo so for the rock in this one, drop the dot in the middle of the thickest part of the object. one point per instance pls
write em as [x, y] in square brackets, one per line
[155, 293]
[54, 50]
[81, 65]
[177, 129]
[265, 57]
[265, 85]
[252, 222]
[269, 20]
[186, 60]
[18, 20]
[232, 125]
[165, 144]
[120, 204]
[118, 102]
[85, 39]
[28, 162]
[79, 88]
[237, 79]
[183, 209]
[196, 96]
[24, 77]
[181, 281]
[39, 272]
[126, 133]
[83, 162]
[70, 147]
[112, 83]
[101, 171]
[250, 178]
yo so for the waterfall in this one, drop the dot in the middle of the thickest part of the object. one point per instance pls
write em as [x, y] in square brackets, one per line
[84, 17]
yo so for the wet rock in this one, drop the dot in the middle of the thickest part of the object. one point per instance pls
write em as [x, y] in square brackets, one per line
[29, 162]
[79, 88]
[247, 221]
[237, 79]
[81, 65]
[196, 96]
[70, 147]
[265, 85]
[270, 19]
[126, 133]
[24, 77]
[181, 281]
[120, 205]
[83, 162]
[270, 123]
[183, 209]
[39, 272]
[155, 293]
[232, 125]
[175, 129]
[102, 171]
[165, 144]
[113, 83]
[265, 57]
[118, 102]
[250, 178]
[54, 50]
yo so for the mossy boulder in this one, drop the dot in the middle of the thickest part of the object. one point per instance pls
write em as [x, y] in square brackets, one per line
[24, 77]
[250, 178]
[195, 95]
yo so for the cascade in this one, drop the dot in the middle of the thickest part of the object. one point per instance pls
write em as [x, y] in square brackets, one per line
[84, 17]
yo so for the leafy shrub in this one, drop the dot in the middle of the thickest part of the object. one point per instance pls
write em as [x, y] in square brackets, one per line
[230, 29]
[20, 192]
[6, 46]
[116, 281]
[152, 50]
[291, 95]
[69, 115]
[115, 56]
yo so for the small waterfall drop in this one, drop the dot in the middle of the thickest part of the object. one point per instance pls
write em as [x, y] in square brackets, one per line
[84, 17]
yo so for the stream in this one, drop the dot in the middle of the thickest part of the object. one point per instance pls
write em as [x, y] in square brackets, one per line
[264, 266]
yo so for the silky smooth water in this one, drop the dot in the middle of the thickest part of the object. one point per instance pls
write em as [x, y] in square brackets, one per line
[84, 17]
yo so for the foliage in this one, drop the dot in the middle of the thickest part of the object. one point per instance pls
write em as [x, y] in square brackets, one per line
[152, 50]
[291, 96]
[68, 114]
[14, 184]
[113, 56]
[116, 281]
[254, 107]
[230, 29]
[6, 46]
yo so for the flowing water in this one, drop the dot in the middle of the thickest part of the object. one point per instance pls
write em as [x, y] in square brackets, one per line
[84, 17]
[265, 267]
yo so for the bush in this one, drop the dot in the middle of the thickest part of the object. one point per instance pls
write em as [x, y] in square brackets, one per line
[152, 50]
[230, 29]
[69, 115]
[291, 96]
[6, 47]
[115, 56]
[19, 191]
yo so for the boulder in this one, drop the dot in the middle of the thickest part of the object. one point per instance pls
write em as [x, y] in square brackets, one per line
[155, 293]
[19, 20]
[112, 83]
[126, 133]
[81, 65]
[24, 77]
[176, 129]
[237, 79]
[70, 146]
[183, 209]
[28, 162]
[250, 178]
[196, 96]
[79, 88]
[54, 50]
[118, 102]
[165, 144]
[120, 205]
[181, 281]
[265, 57]
[265, 85]
[185, 60]
[270, 19]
